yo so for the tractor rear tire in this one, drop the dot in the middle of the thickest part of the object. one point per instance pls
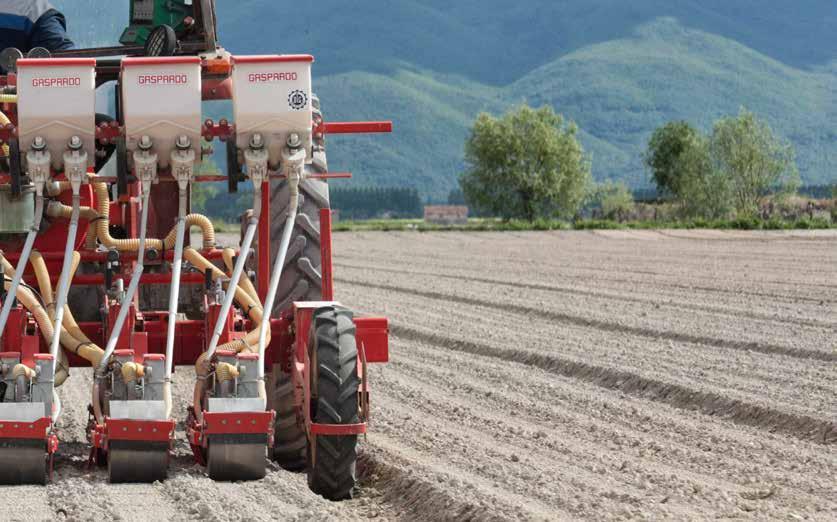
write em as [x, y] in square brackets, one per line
[334, 400]
[301, 276]
[290, 445]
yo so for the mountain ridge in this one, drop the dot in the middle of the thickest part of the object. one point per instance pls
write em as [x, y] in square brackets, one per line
[618, 69]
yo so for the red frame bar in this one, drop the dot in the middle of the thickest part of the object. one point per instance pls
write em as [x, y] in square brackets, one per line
[186, 278]
[263, 252]
[357, 127]
[327, 267]
[160, 60]
[56, 62]
[250, 422]
[25, 430]
[139, 430]
[273, 58]
[88, 256]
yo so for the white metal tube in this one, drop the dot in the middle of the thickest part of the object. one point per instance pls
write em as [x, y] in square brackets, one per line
[174, 295]
[132, 287]
[64, 281]
[275, 278]
[21, 263]
[244, 253]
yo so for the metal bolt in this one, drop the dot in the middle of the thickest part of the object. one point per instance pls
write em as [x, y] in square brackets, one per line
[294, 142]
[256, 141]
[38, 143]
[75, 143]
[145, 143]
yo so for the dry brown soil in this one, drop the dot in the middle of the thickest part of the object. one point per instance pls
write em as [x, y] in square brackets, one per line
[562, 376]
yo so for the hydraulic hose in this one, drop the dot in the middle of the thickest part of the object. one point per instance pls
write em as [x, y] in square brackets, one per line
[21, 264]
[64, 279]
[250, 233]
[27, 298]
[132, 245]
[56, 209]
[4, 120]
[228, 254]
[132, 287]
[250, 305]
[246, 302]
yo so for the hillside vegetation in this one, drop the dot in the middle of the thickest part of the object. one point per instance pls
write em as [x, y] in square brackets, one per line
[619, 69]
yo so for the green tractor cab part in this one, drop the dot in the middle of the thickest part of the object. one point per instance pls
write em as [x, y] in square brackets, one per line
[149, 14]
[193, 22]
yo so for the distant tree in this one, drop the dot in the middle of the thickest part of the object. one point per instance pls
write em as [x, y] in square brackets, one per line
[617, 201]
[526, 164]
[666, 147]
[745, 150]
[701, 190]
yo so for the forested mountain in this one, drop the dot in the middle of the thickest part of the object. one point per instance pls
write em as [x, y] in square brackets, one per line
[617, 68]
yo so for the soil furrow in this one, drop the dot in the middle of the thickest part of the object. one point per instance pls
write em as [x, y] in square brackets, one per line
[711, 404]
[606, 326]
[597, 294]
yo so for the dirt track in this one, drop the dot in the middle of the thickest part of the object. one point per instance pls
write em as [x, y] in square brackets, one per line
[651, 375]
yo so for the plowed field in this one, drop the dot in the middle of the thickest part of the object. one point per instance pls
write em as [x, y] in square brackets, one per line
[561, 376]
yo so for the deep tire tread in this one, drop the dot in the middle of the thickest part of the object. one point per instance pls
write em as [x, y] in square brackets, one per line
[290, 445]
[333, 335]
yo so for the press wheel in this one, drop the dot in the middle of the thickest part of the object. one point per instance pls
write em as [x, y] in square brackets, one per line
[237, 457]
[140, 461]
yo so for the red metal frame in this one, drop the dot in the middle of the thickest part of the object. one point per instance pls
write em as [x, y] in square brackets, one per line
[145, 331]
[137, 430]
[25, 430]
[238, 422]
[327, 267]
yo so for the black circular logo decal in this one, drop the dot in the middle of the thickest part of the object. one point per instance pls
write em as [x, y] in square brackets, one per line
[297, 100]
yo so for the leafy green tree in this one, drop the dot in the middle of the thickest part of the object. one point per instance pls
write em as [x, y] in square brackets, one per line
[526, 164]
[702, 190]
[666, 149]
[747, 153]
